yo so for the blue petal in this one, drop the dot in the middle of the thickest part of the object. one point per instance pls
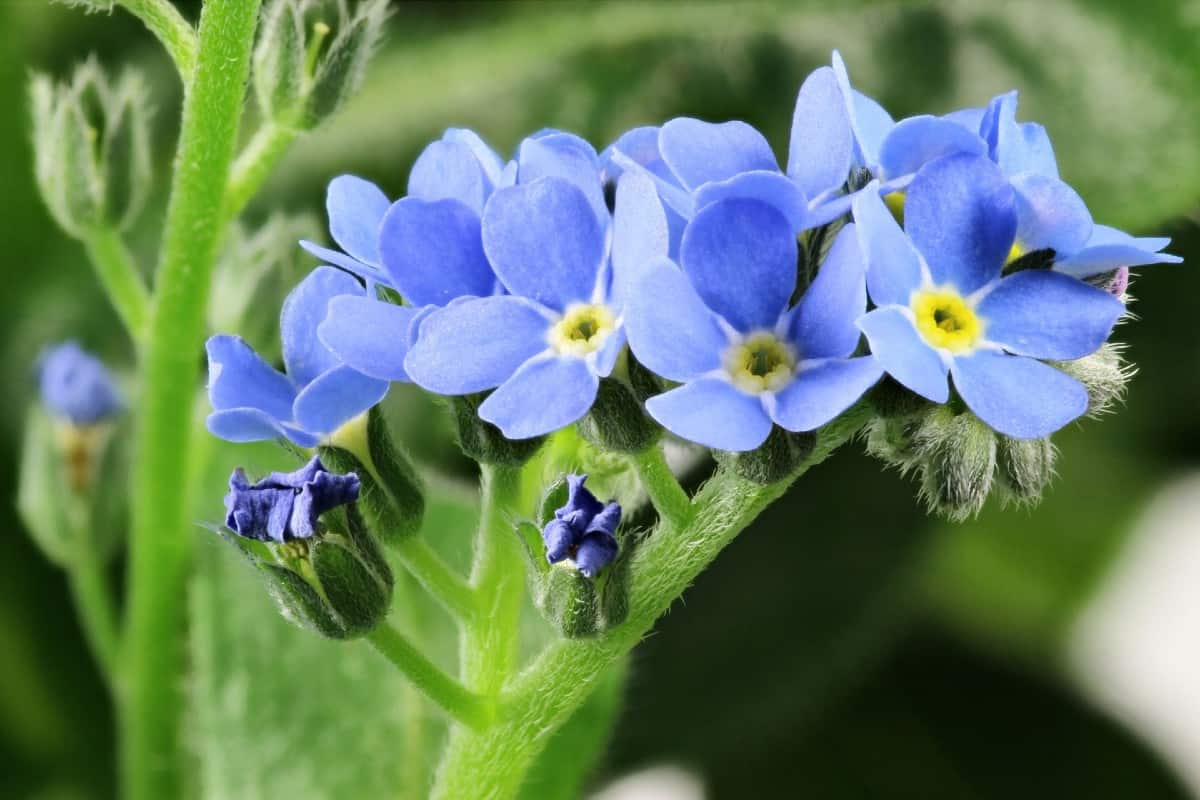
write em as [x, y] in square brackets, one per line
[822, 390]
[1109, 249]
[238, 378]
[336, 397]
[489, 159]
[823, 323]
[433, 251]
[714, 413]
[449, 170]
[352, 265]
[639, 145]
[680, 339]
[893, 266]
[566, 156]
[476, 344]
[369, 335]
[699, 152]
[544, 242]
[355, 208]
[959, 212]
[916, 141]
[770, 187]
[1050, 214]
[545, 394]
[254, 425]
[1018, 396]
[969, 118]
[903, 354]
[868, 120]
[1016, 147]
[740, 255]
[822, 143]
[604, 360]
[303, 354]
[596, 551]
[640, 233]
[1049, 315]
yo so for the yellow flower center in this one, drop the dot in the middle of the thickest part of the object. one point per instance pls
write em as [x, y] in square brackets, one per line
[1015, 252]
[946, 321]
[895, 203]
[582, 329]
[760, 363]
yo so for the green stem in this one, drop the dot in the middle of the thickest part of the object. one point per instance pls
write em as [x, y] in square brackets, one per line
[120, 278]
[490, 649]
[94, 605]
[491, 764]
[669, 498]
[436, 577]
[161, 541]
[255, 163]
[176, 33]
[458, 701]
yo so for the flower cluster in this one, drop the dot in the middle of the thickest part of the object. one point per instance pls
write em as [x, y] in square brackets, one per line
[944, 251]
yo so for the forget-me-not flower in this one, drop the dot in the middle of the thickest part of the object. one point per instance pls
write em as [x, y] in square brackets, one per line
[720, 324]
[252, 401]
[583, 532]
[944, 306]
[545, 345]
[75, 386]
[285, 506]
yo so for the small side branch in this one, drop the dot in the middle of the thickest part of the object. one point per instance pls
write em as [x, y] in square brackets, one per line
[669, 499]
[175, 33]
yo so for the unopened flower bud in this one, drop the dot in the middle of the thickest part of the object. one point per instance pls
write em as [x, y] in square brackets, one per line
[1026, 467]
[279, 59]
[336, 71]
[1105, 374]
[483, 442]
[91, 148]
[958, 462]
[617, 421]
[781, 454]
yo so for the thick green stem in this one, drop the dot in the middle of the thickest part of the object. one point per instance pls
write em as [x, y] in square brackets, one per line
[255, 163]
[459, 702]
[161, 541]
[118, 274]
[490, 765]
[175, 33]
[669, 498]
[490, 649]
[436, 577]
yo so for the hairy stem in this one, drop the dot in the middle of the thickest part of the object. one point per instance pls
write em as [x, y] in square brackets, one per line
[490, 765]
[459, 702]
[255, 163]
[176, 33]
[161, 542]
[118, 274]
[669, 498]
[498, 576]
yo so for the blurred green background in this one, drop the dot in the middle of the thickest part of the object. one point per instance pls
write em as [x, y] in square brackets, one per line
[847, 645]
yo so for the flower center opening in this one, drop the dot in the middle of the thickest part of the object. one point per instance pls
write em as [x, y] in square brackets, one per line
[895, 204]
[946, 321]
[760, 363]
[1014, 252]
[582, 329]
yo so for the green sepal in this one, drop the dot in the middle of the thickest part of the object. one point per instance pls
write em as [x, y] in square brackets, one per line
[356, 592]
[617, 421]
[569, 602]
[958, 453]
[300, 603]
[890, 399]
[279, 60]
[397, 474]
[1026, 467]
[779, 456]
[614, 584]
[892, 439]
[339, 72]
[483, 442]
[534, 547]
[1105, 374]
[554, 497]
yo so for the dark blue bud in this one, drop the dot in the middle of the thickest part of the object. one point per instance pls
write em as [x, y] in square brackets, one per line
[583, 531]
[76, 386]
[286, 505]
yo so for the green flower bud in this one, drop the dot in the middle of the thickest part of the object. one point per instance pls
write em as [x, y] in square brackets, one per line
[391, 493]
[1026, 467]
[617, 421]
[958, 462]
[890, 399]
[781, 454]
[1105, 374]
[483, 442]
[355, 590]
[279, 59]
[891, 440]
[91, 148]
[335, 74]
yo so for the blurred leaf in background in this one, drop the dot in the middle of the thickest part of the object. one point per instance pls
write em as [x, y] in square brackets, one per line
[845, 645]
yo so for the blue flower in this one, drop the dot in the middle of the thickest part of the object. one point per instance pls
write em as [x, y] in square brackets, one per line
[545, 345]
[430, 243]
[583, 531]
[252, 401]
[76, 386]
[286, 505]
[720, 324]
[944, 307]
